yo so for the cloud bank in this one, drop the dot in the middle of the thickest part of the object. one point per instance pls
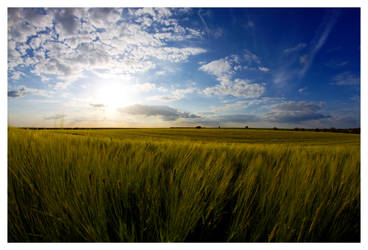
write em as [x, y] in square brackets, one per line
[294, 112]
[165, 113]
[65, 43]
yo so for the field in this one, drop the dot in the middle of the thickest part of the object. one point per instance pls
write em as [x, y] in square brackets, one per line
[183, 185]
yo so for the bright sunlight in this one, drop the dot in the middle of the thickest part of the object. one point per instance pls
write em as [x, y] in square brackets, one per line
[114, 95]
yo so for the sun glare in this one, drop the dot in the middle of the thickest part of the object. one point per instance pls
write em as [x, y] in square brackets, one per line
[115, 95]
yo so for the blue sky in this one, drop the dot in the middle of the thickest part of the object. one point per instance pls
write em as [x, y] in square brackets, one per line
[164, 67]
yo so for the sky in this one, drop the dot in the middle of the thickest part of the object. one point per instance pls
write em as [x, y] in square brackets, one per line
[167, 67]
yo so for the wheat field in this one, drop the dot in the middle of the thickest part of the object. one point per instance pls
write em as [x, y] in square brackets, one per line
[162, 185]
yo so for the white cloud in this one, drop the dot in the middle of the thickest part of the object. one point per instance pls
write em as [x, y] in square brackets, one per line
[304, 59]
[92, 40]
[165, 113]
[14, 15]
[224, 70]
[17, 93]
[264, 69]
[282, 77]
[20, 31]
[97, 105]
[103, 17]
[218, 67]
[233, 63]
[231, 106]
[55, 117]
[16, 75]
[250, 24]
[217, 33]
[67, 23]
[238, 118]
[242, 104]
[346, 78]
[62, 85]
[296, 106]
[38, 41]
[294, 116]
[22, 91]
[172, 54]
[210, 31]
[251, 58]
[337, 64]
[145, 87]
[36, 17]
[301, 90]
[237, 88]
[175, 95]
[145, 11]
[180, 93]
[298, 47]
[295, 112]
[320, 39]
[55, 66]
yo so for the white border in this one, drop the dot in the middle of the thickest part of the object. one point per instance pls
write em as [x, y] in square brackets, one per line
[3, 125]
[363, 121]
[180, 3]
[185, 3]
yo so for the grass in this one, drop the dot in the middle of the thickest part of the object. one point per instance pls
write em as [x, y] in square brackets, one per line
[249, 136]
[167, 185]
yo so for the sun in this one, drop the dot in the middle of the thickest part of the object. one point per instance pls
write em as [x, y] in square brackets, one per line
[114, 95]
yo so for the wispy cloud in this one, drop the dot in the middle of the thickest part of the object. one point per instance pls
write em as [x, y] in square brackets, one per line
[251, 58]
[211, 32]
[301, 56]
[175, 95]
[335, 63]
[231, 106]
[62, 85]
[346, 78]
[97, 105]
[320, 39]
[250, 24]
[242, 104]
[304, 59]
[55, 117]
[298, 47]
[144, 87]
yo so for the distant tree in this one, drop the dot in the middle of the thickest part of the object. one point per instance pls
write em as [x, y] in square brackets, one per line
[332, 129]
[219, 127]
[296, 129]
[198, 127]
[355, 131]
[246, 127]
[302, 129]
[316, 130]
[274, 128]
